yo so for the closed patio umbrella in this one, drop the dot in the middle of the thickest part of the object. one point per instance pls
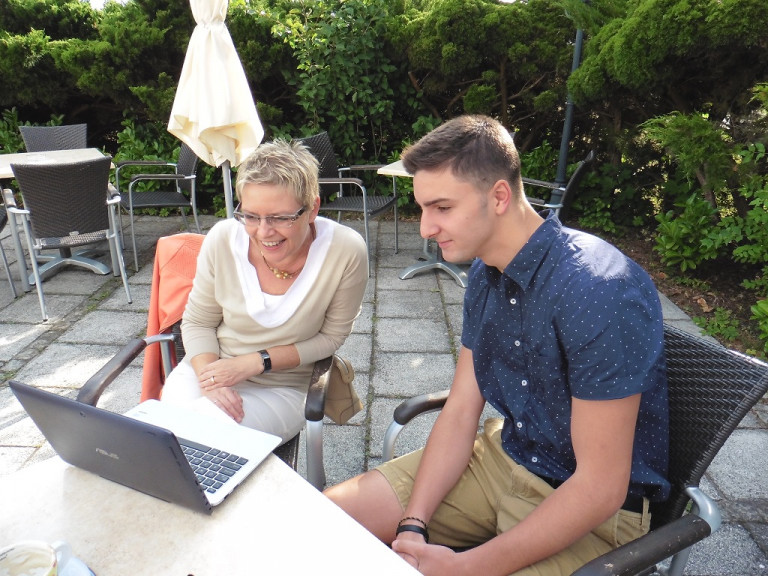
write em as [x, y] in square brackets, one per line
[213, 110]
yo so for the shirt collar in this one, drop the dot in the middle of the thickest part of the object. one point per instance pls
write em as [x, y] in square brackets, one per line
[524, 265]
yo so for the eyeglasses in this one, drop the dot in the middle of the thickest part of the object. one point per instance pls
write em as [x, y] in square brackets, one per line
[254, 220]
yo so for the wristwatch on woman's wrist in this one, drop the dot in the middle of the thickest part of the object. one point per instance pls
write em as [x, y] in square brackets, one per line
[266, 360]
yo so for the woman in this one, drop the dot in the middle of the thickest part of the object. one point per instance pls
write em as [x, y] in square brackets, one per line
[276, 289]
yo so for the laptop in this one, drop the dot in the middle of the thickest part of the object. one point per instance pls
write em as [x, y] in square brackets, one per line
[152, 448]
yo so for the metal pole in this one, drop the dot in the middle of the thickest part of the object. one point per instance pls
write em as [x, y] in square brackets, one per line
[227, 176]
[564, 141]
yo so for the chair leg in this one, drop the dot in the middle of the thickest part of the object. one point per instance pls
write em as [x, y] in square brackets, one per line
[8, 272]
[116, 251]
[35, 270]
[133, 236]
[367, 241]
[315, 467]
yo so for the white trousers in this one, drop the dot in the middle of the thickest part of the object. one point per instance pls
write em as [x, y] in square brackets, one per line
[278, 410]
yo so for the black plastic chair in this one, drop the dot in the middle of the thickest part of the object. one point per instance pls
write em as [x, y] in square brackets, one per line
[711, 389]
[69, 206]
[44, 138]
[3, 222]
[559, 194]
[180, 192]
[337, 186]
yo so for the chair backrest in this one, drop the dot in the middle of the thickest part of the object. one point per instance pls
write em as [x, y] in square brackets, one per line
[44, 138]
[322, 149]
[561, 196]
[711, 389]
[186, 165]
[65, 198]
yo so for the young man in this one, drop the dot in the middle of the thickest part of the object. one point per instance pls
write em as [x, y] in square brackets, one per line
[563, 335]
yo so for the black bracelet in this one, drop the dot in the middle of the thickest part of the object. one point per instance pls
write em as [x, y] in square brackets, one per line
[413, 528]
[419, 520]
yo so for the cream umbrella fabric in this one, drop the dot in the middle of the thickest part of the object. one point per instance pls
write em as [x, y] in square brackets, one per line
[213, 111]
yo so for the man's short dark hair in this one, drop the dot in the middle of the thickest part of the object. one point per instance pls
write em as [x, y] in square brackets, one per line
[476, 148]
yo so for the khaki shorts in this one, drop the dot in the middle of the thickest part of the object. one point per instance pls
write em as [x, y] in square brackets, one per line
[494, 494]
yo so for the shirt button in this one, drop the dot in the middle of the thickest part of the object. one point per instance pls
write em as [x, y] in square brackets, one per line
[524, 382]
[519, 424]
[517, 342]
[534, 459]
[513, 300]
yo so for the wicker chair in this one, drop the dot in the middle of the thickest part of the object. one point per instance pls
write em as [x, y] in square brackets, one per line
[44, 138]
[335, 187]
[179, 194]
[711, 389]
[560, 194]
[67, 206]
[3, 222]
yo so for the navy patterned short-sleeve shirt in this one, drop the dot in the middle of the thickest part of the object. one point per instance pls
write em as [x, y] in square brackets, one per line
[571, 316]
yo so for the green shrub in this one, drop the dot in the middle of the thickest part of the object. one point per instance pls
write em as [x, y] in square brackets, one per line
[685, 239]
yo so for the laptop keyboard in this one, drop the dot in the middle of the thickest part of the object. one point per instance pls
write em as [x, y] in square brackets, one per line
[212, 467]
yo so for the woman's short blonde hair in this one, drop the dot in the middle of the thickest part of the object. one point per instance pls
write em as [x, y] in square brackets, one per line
[282, 163]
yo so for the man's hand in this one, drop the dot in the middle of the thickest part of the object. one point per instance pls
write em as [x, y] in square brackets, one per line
[429, 559]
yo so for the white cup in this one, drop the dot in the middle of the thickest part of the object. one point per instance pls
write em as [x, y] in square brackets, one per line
[33, 558]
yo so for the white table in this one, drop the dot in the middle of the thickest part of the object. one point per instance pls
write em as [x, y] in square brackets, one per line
[432, 260]
[274, 523]
[6, 173]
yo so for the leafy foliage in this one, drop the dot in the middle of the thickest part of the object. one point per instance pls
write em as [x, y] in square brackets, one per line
[672, 94]
[342, 63]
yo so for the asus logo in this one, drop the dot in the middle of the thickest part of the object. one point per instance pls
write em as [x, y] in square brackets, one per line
[108, 454]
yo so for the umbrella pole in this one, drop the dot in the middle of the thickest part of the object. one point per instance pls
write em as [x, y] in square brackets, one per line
[227, 175]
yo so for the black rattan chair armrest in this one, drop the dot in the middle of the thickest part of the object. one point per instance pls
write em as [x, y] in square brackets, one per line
[314, 408]
[542, 183]
[143, 163]
[91, 391]
[409, 409]
[139, 177]
[645, 552]
[355, 181]
[355, 167]
[8, 199]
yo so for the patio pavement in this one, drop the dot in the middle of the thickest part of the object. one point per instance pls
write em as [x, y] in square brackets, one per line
[404, 343]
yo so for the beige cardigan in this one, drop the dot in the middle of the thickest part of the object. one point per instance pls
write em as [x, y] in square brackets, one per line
[328, 293]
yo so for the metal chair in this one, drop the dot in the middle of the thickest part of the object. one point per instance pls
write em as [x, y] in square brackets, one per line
[180, 195]
[711, 389]
[334, 185]
[44, 138]
[67, 206]
[559, 194]
[3, 222]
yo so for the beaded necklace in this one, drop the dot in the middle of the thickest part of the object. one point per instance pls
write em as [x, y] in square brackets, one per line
[282, 274]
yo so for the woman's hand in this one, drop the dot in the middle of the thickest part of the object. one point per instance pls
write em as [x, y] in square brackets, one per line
[225, 373]
[227, 400]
